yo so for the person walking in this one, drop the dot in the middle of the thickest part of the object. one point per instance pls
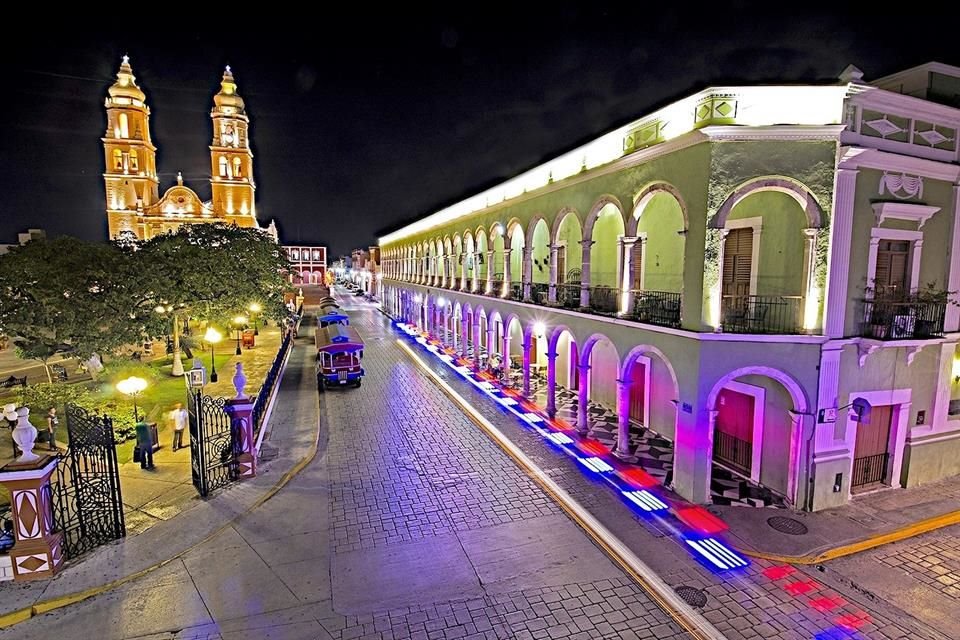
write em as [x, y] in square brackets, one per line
[52, 422]
[179, 416]
[145, 445]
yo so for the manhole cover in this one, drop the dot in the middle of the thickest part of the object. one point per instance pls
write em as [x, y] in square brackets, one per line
[788, 526]
[692, 596]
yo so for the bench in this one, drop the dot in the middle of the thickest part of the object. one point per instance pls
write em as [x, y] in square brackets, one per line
[59, 372]
[12, 382]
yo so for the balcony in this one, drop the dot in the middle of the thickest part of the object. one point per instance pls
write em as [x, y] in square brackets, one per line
[661, 308]
[762, 314]
[904, 319]
[496, 287]
[540, 292]
[516, 292]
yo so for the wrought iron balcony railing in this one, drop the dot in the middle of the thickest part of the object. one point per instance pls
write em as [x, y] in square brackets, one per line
[732, 451]
[761, 314]
[902, 319]
[661, 308]
[604, 299]
[540, 292]
[568, 295]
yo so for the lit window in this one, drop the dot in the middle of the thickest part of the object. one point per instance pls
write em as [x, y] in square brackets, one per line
[223, 167]
[124, 126]
[134, 160]
[236, 168]
[117, 160]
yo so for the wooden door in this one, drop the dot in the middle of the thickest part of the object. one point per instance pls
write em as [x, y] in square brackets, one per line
[870, 455]
[890, 278]
[637, 259]
[733, 431]
[561, 265]
[638, 391]
[737, 262]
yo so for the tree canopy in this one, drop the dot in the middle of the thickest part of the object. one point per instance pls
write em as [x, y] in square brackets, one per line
[69, 296]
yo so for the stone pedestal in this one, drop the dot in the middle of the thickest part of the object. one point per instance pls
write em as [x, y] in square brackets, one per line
[38, 552]
[240, 411]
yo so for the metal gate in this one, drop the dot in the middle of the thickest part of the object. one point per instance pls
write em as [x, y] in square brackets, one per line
[213, 449]
[87, 506]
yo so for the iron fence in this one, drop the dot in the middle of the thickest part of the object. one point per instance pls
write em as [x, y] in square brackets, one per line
[869, 470]
[732, 451]
[263, 395]
[568, 295]
[661, 308]
[540, 292]
[604, 299]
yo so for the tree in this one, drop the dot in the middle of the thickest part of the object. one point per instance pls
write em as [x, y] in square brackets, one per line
[68, 296]
[214, 271]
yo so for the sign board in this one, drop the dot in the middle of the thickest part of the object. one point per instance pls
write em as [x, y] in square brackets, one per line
[827, 415]
[196, 378]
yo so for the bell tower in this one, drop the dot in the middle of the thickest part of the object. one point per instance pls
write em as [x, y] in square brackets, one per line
[129, 155]
[232, 161]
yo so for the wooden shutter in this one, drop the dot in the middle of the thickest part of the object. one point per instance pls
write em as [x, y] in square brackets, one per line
[561, 265]
[637, 258]
[738, 262]
[890, 277]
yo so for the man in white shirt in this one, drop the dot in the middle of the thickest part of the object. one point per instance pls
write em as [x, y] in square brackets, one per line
[179, 417]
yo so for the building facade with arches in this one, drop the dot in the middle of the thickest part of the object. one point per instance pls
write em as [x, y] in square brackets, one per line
[135, 208]
[730, 272]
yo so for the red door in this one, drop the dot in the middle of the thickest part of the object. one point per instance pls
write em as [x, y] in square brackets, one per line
[733, 433]
[638, 391]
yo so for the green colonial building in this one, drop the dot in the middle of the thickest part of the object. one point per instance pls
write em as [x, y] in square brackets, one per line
[715, 284]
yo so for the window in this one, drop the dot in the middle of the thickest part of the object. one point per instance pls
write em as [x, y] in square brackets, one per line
[124, 126]
[134, 160]
[236, 168]
[224, 167]
[890, 278]
[738, 262]
[637, 262]
[117, 160]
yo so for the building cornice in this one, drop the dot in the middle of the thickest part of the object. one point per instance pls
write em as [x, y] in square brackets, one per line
[774, 132]
[853, 157]
[134, 142]
[906, 106]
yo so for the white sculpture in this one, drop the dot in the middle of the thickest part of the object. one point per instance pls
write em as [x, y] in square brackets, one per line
[240, 381]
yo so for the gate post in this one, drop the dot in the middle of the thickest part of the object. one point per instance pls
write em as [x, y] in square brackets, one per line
[240, 411]
[38, 552]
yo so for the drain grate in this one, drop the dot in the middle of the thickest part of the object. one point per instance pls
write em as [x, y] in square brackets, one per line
[692, 596]
[788, 526]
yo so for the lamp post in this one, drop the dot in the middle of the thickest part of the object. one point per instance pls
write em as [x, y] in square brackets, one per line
[132, 387]
[239, 321]
[212, 337]
[255, 309]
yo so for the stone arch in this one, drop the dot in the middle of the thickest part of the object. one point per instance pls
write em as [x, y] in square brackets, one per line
[793, 387]
[646, 194]
[600, 263]
[560, 217]
[789, 186]
[595, 210]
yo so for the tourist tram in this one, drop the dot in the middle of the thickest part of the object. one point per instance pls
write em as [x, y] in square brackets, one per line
[331, 315]
[339, 352]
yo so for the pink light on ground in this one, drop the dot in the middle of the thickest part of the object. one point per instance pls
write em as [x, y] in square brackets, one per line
[594, 447]
[779, 572]
[800, 588]
[853, 620]
[639, 478]
[827, 604]
[699, 519]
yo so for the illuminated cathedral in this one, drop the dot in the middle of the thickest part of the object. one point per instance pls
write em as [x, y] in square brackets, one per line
[135, 208]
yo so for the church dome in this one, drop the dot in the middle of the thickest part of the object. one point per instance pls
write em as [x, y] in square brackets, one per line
[126, 84]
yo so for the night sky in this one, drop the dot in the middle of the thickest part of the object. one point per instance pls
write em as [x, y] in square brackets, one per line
[362, 122]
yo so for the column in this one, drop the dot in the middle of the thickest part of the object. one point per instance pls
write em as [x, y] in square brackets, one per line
[627, 278]
[490, 270]
[838, 263]
[551, 384]
[583, 426]
[953, 279]
[464, 326]
[240, 410]
[489, 344]
[552, 294]
[585, 272]
[623, 419]
[507, 273]
[476, 271]
[476, 340]
[463, 271]
[526, 367]
[527, 273]
[810, 302]
[506, 353]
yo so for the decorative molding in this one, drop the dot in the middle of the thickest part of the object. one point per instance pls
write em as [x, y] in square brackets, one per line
[912, 352]
[774, 132]
[911, 186]
[864, 349]
[855, 157]
[918, 213]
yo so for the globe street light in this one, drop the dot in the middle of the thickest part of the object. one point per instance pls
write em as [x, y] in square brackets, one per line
[213, 337]
[239, 321]
[132, 387]
[255, 309]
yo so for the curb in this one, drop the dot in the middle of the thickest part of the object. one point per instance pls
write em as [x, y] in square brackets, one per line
[45, 606]
[908, 531]
[265, 425]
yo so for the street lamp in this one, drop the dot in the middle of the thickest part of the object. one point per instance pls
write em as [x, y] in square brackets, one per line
[239, 321]
[255, 309]
[132, 387]
[212, 336]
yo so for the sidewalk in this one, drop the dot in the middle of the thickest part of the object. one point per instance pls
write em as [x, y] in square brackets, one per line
[866, 521]
[295, 438]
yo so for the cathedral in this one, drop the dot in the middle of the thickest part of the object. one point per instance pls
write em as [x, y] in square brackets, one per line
[135, 208]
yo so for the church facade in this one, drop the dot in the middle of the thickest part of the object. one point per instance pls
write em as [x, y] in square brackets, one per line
[135, 208]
